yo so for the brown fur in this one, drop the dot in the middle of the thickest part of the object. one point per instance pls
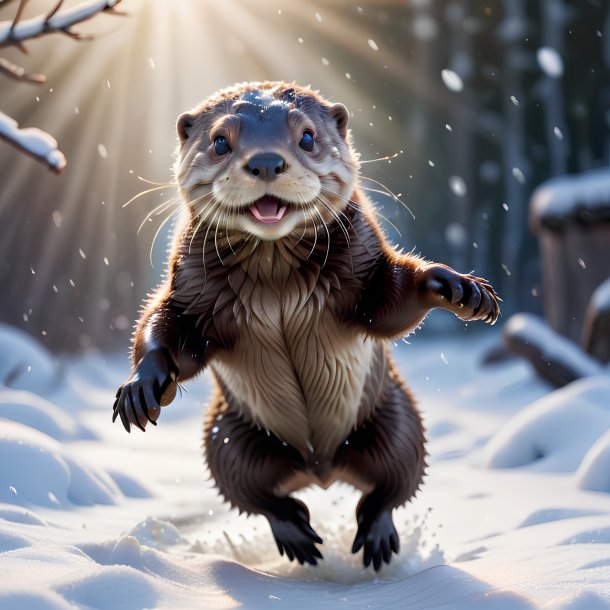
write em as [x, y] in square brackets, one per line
[292, 320]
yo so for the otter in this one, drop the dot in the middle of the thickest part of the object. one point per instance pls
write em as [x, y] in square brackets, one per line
[282, 283]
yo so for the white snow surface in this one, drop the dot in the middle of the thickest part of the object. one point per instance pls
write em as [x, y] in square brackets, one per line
[92, 517]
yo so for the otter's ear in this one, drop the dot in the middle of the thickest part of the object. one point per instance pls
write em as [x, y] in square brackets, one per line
[183, 126]
[341, 116]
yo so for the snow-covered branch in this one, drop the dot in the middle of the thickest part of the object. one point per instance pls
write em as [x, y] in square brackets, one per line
[16, 32]
[33, 141]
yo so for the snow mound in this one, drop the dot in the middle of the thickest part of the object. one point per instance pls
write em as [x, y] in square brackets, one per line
[548, 515]
[584, 601]
[10, 541]
[594, 471]
[129, 487]
[116, 587]
[16, 514]
[154, 532]
[555, 432]
[36, 412]
[11, 599]
[41, 472]
[24, 363]
[593, 536]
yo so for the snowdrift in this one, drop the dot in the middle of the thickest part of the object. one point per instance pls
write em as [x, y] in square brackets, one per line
[514, 513]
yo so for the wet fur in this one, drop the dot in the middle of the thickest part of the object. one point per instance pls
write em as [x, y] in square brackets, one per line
[293, 327]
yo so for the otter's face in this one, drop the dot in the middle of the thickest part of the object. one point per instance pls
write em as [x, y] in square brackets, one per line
[266, 160]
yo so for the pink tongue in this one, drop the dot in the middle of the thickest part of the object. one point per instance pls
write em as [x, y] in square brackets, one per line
[268, 209]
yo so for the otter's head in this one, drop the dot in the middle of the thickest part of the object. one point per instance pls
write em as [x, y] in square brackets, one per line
[266, 160]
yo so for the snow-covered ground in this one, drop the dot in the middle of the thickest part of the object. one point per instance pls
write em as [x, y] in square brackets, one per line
[514, 514]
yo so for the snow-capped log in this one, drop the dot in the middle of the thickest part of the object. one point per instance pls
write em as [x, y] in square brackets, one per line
[555, 358]
[15, 32]
[596, 330]
[571, 217]
[33, 141]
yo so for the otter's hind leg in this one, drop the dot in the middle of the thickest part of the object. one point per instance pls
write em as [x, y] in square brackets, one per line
[249, 465]
[387, 456]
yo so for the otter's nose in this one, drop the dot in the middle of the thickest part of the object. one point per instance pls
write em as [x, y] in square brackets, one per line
[266, 166]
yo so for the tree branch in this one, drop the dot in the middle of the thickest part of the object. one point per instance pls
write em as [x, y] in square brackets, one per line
[16, 72]
[33, 141]
[16, 32]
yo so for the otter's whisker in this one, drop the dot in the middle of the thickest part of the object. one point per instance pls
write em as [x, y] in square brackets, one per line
[304, 228]
[386, 193]
[142, 193]
[327, 235]
[158, 211]
[387, 158]
[233, 213]
[220, 216]
[343, 198]
[205, 239]
[315, 228]
[201, 221]
[162, 184]
[328, 206]
[152, 245]
[377, 213]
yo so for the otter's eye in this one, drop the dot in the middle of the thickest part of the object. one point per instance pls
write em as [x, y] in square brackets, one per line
[307, 141]
[221, 146]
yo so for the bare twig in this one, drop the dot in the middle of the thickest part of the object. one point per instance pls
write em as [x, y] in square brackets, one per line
[33, 141]
[16, 32]
[18, 14]
[15, 72]
[54, 9]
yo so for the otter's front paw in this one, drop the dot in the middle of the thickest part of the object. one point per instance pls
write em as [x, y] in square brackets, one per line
[467, 296]
[294, 535]
[152, 385]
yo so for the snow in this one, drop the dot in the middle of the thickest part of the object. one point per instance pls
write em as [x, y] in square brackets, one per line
[36, 26]
[600, 299]
[452, 80]
[584, 197]
[514, 513]
[594, 471]
[33, 141]
[554, 433]
[528, 333]
[550, 62]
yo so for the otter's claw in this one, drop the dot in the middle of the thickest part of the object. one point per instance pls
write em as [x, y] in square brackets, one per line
[379, 538]
[139, 399]
[468, 296]
[295, 536]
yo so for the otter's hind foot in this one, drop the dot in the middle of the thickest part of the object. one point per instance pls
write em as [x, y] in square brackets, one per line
[377, 534]
[294, 535]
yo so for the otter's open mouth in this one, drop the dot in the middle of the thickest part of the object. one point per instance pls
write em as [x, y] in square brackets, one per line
[268, 209]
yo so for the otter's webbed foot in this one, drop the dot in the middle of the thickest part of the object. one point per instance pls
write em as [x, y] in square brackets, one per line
[377, 534]
[153, 384]
[467, 296]
[293, 534]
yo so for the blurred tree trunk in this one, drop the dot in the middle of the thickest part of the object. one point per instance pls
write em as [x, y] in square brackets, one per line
[514, 161]
[555, 17]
